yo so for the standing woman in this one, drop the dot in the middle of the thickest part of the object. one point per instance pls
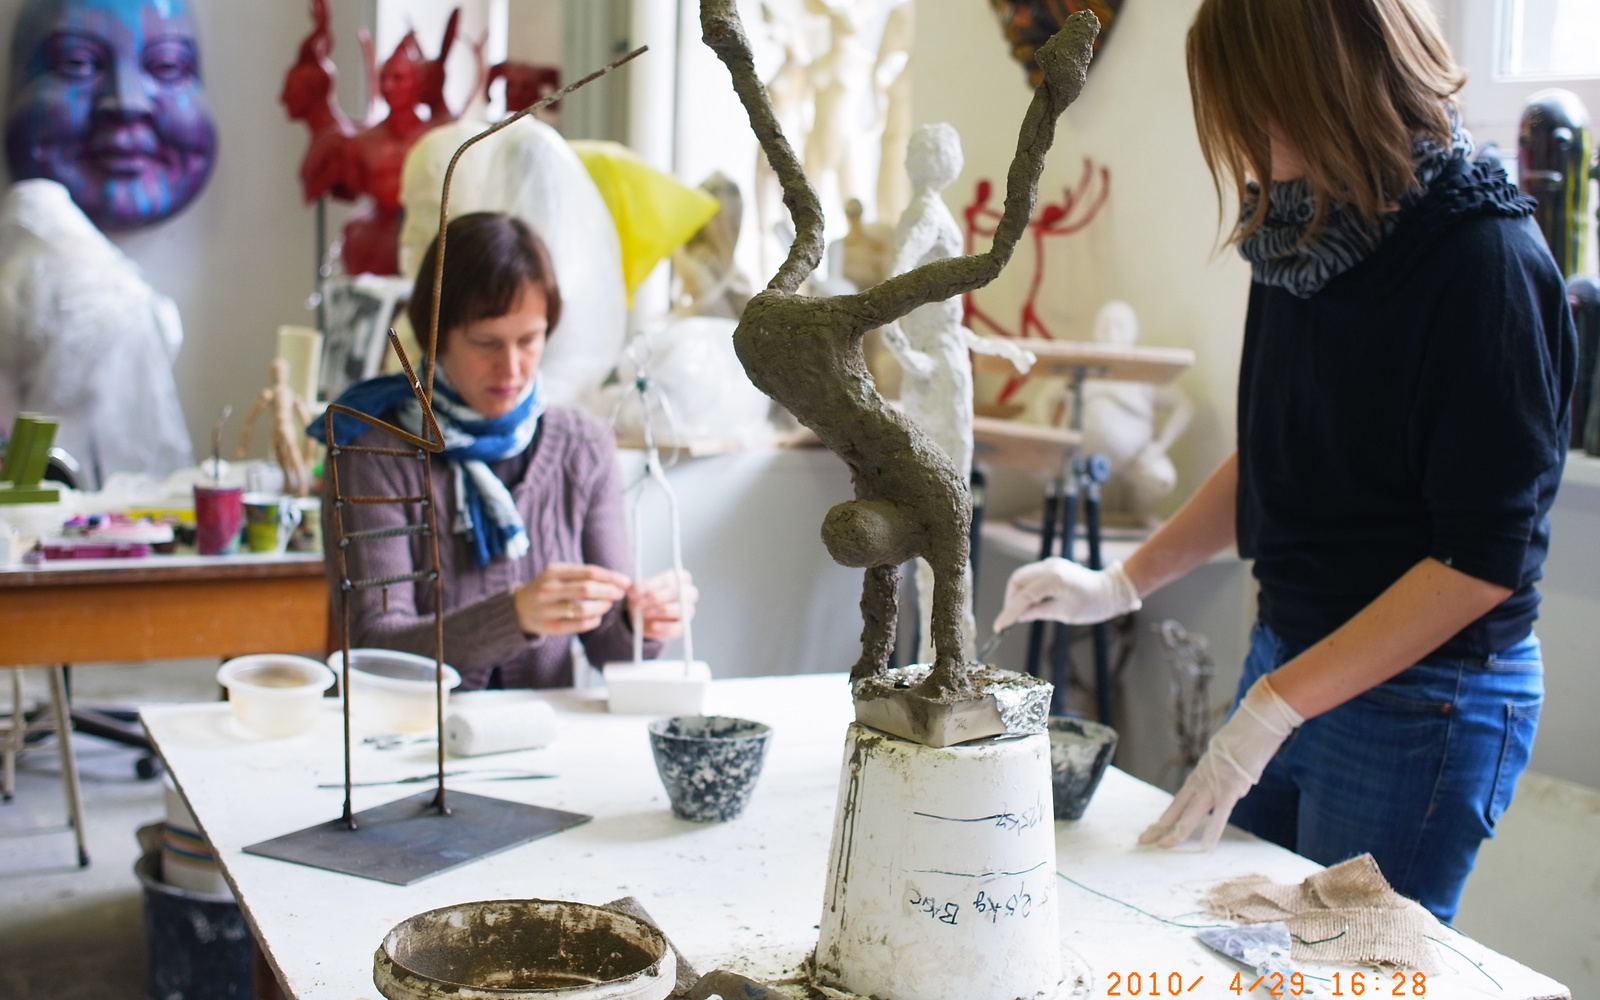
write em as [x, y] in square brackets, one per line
[532, 544]
[1403, 404]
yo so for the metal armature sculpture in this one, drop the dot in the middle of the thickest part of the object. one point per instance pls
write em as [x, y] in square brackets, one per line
[805, 352]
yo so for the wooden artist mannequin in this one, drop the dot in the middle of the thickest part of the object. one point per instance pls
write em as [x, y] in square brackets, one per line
[289, 418]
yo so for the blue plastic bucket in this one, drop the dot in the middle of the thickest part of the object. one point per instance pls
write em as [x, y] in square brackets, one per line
[196, 946]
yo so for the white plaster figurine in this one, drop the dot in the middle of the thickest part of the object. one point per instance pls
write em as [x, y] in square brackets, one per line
[85, 339]
[931, 344]
[1120, 422]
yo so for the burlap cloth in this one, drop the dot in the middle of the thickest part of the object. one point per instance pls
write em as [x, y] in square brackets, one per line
[1344, 915]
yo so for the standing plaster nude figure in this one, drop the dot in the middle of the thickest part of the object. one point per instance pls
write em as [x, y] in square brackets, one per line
[931, 344]
[289, 417]
[805, 352]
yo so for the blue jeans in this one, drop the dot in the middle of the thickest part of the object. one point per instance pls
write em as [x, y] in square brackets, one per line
[1415, 771]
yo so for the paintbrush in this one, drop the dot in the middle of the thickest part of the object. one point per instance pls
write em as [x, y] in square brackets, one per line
[216, 443]
[993, 643]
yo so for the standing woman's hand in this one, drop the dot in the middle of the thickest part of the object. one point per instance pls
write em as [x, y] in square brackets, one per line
[568, 598]
[657, 602]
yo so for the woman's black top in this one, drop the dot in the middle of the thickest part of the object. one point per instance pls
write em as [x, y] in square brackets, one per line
[1415, 406]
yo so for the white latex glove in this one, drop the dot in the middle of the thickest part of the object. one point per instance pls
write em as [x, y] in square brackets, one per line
[1231, 765]
[1063, 591]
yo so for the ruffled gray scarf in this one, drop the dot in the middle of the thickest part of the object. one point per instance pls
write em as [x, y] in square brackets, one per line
[1276, 254]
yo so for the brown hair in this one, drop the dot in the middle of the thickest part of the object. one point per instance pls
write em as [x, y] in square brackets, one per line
[488, 259]
[1349, 84]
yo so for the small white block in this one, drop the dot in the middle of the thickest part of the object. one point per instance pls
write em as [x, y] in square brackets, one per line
[657, 687]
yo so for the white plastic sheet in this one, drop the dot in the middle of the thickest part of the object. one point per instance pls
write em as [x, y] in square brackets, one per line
[84, 339]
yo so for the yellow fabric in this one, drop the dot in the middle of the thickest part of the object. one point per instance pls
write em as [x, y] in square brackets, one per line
[655, 213]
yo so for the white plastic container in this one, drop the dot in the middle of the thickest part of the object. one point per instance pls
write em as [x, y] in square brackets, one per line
[275, 694]
[391, 691]
[941, 879]
[657, 687]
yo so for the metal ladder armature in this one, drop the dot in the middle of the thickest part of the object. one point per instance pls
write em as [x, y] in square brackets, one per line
[418, 450]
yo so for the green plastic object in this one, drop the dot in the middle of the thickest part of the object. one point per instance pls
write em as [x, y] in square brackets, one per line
[27, 455]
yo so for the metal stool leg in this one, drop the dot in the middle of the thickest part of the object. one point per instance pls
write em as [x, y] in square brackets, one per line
[69, 761]
[15, 735]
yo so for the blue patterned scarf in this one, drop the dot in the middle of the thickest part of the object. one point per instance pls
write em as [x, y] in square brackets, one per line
[1280, 256]
[485, 509]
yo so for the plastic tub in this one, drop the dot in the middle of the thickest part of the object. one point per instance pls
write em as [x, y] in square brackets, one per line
[275, 694]
[391, 691]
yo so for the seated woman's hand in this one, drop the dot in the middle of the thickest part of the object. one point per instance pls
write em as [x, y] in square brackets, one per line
[568, 598]
[656, 600]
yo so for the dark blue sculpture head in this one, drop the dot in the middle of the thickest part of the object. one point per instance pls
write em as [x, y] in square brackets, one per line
[106, 98]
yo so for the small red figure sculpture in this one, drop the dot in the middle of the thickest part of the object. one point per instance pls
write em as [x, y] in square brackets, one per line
[1076, 209]
[526, 84]
[308, 95]
[374, 159]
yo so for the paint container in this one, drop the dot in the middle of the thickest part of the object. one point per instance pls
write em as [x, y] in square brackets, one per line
[1080, 751]
[709, 763]
[391, 691]
[275, 694]
[218, 514]
[657, 687]
[941, 878]
[270, 520]
[524, 948]
[196, 945]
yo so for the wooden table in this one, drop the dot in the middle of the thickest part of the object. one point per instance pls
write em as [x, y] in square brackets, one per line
[159, 607]
[744, 895]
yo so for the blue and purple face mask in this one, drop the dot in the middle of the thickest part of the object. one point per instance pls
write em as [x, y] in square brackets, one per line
[106, 99]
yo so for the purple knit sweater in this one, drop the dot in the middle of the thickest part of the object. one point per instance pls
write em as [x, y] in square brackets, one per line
[565, 485]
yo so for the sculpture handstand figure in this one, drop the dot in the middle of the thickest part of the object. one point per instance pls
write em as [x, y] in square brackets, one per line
[805, 352]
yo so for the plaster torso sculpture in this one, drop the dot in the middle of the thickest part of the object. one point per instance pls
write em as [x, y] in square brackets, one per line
[289, 417]
[805, 352]
[373, 162]
[308, 95]
[837, 76]
[892, 77]
[710, 281]
[106, 99]
[1120, 422]
[85, 339]
[930, 343]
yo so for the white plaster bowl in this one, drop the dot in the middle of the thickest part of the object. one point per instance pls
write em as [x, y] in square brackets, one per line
[391, 691]
[274, 694]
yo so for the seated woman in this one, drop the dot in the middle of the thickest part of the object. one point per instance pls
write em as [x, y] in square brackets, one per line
[532, 545]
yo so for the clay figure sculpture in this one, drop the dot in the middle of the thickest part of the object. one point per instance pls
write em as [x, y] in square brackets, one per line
[289, 416]
[1120, 422]
[374, 160]
[308, 95]
[106, 99]
[526, 84]
[805, 352]
[931, 343]
[432, 74]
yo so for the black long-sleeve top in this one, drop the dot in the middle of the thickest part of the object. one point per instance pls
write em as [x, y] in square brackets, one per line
[1415, 406]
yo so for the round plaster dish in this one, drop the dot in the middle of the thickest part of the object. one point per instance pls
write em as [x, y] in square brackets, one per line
[505, 948]
[1080, 750]
[274, 694]
[391, 691]
[709, 763]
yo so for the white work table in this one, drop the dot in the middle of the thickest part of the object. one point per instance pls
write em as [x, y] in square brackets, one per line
[744, 895]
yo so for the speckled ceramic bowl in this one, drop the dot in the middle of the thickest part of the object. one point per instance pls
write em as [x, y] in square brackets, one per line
[709, 763]
[1080, 750]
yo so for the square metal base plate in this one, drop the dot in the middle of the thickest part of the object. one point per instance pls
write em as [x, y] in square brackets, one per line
[406, 841]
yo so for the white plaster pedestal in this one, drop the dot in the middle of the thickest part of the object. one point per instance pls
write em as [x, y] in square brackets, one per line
[941, 879]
